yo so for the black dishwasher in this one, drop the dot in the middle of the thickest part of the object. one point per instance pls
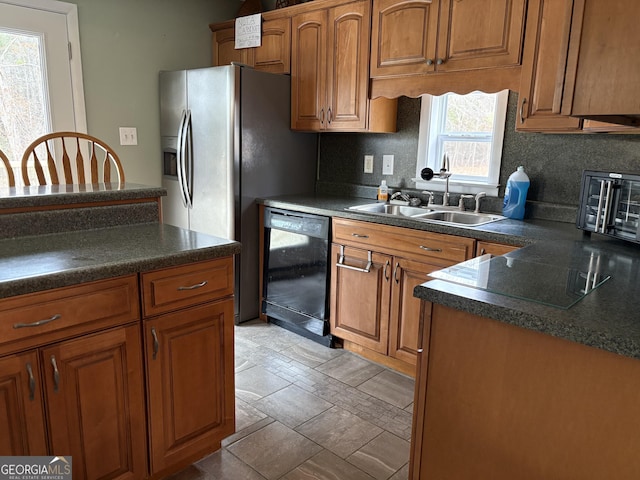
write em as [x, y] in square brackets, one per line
[296, 273]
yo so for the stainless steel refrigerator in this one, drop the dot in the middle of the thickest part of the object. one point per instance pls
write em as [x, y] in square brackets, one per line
[226, 140]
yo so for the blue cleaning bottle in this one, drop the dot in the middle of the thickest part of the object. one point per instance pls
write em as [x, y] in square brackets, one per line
[515, 194]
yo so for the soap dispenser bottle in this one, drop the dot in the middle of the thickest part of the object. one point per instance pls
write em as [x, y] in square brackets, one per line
[515, 195]
[383, 191]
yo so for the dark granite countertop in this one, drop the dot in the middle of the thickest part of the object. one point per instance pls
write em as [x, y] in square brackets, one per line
[34, 263]
[605, 318]
[39, 196]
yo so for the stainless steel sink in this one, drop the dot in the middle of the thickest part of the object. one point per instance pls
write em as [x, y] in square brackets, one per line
[436, 215]
[462, 218]
[387, 209]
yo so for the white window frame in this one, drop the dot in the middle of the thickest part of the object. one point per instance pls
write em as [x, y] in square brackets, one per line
[431, 120]
[70, 11]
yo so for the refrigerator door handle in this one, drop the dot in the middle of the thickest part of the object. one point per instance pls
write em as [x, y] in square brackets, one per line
[188, 147]
[180, 158]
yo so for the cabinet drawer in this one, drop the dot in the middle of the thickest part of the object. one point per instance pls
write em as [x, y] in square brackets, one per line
[179, 287]
[38, 318]
[438, 248]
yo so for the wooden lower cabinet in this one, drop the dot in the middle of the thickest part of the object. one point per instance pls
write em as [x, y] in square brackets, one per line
[373, 308]
[190, 378]
[360, 297]
[95, 402]
[21, 406]
[502, 402]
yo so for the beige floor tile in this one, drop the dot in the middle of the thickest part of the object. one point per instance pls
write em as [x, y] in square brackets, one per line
[247, 415]
[339, 431]
[402, 474]
[392, 387]
[222, 465]
[256, 382]
[292, 405]
[326, 466]
[350, 369]
[274, 450]
[382, 456]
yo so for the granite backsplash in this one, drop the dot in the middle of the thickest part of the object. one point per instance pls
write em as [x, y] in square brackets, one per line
[554, 162]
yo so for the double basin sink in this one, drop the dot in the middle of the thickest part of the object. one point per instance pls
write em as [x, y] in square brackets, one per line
[432, 213]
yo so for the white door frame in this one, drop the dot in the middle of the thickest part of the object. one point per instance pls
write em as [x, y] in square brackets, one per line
[70, 10]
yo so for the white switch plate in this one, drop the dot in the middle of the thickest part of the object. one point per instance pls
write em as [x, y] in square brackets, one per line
[368, 164]
[128, 136]
[387, 164]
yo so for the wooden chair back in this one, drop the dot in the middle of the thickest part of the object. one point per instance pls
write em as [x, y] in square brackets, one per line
[7, 166]
[59, 148]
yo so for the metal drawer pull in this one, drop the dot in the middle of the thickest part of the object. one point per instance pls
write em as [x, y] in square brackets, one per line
[395, 273]
[366, 269]
[357, 235]
[56, 374]
[429, 249]
[156, 343]
[38, 323]
[386, 270]
[32, 383]
[193, 287]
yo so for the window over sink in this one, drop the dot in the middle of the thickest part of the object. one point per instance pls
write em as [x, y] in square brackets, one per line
[469, 129]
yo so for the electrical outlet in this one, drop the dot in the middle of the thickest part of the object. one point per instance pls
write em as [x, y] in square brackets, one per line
[387, 164]
[128, 136]
[368, 164]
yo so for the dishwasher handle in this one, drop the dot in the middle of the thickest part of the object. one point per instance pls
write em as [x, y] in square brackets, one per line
[306, 224]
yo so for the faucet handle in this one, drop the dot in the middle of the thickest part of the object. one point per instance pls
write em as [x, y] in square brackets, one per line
[478, 197]
[427, 192]
[461, 202]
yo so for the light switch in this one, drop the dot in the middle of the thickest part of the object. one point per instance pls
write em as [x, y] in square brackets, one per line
[128, 136]
[368, 164]
[387, 164]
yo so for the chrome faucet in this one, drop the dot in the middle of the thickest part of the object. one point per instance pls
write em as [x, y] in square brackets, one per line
[428, 174]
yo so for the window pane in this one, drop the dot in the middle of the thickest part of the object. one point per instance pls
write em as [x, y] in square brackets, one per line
[468, 158]
[470, 113]
[23, 106]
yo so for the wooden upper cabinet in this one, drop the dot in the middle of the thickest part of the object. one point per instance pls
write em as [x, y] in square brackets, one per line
[603, 65]
[403, 37]
[348, 66]
[273, 55]
[329, 68]
[224, 50]
[543, 66]
[414, 37]
[308, 70]
[479, 34]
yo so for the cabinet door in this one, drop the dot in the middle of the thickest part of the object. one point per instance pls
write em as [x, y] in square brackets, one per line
[405, 308]
[601, 70]
[403, 37]
[95, 401]
[348, 66]
[480, 34]
[21, 411]
[274, 54]
[308, 70]
[543, 65]
[360, 299]
[189, 361]
[224, 51]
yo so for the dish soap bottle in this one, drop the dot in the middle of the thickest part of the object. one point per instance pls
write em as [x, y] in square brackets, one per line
[515, 194]
[383, 191]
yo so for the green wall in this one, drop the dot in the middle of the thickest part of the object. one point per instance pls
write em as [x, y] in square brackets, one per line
[124, 44]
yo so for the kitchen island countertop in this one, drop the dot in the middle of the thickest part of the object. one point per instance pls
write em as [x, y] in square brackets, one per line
[605, 318]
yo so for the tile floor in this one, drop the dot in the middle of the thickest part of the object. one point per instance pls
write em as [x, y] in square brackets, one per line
[304, 411]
